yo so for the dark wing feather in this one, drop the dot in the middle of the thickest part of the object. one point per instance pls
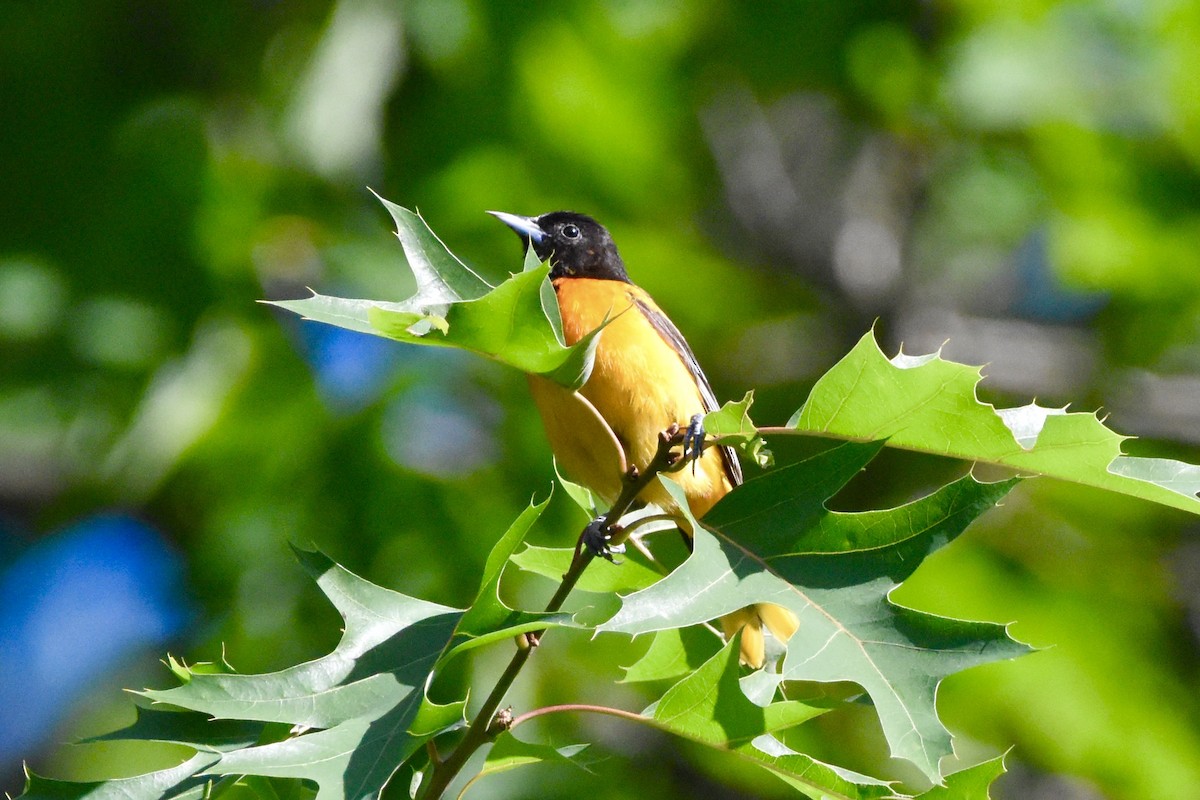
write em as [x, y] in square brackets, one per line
[733, 468]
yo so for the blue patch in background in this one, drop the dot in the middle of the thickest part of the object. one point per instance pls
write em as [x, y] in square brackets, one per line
[73, 608]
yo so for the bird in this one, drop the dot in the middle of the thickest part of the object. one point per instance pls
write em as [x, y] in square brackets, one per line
[645, 379]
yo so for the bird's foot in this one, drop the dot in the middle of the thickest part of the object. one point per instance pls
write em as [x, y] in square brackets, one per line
[598, 537]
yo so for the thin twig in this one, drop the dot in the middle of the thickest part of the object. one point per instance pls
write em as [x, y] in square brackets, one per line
[568, 708]
[480, 729]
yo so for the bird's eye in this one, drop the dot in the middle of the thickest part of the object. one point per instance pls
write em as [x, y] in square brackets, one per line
[570, 231]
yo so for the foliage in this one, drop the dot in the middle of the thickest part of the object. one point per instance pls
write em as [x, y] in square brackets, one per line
[515, 323]
[360, 719]
[1018, 181]
[355, 717]
[931, 407]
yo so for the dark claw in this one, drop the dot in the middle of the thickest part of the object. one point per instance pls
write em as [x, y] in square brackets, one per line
[596, 539]
[670, 433]
[693, 440]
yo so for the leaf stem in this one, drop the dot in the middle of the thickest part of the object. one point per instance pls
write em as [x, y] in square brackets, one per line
[586, 708]
[647, 520]
[481, 729]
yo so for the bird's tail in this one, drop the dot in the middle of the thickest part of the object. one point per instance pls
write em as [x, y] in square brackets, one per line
[751, 620]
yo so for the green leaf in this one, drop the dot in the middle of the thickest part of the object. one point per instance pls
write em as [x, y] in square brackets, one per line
[342, 312]
[507, 324]
[489, 619]
[731, 425]
[199, 731]
[441, 277]
[390, 644]
[509, 753]
[531, 263]
[709, 706]
[773, 540]
[602, 577]
[177, 783]
[583, 497]
[346, 721]
[673, 654]
[489, 612]
[928, 404]
[814, 778]
[516, 323]
[351, 760]
[367, 696]
[971, 783]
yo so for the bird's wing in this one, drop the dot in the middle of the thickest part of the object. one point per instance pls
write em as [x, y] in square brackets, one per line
[667, 329]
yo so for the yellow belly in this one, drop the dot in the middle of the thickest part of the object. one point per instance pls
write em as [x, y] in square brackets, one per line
[639, 386]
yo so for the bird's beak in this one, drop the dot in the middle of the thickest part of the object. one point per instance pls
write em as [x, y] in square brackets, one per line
[526, 227]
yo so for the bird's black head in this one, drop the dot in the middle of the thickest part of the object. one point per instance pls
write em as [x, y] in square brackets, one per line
[576, 245]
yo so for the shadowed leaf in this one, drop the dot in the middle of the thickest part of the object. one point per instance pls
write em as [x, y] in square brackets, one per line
[177, 783]
[187, 728]
[509, 753]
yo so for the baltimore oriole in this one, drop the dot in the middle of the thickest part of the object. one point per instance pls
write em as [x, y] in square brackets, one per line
[645, 379]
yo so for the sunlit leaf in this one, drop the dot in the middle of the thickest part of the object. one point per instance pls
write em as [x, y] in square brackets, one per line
[515, 323]
[928, 404]
[343, 312]
[634, 572]
[581, 495]
[731, 425]
[674, 653]
[709, 706]
[441, 276]
[366, 699]
[489, 619]
[382, 628]
[773, 540]
[814, 778]
[346, 721]
[971, 783]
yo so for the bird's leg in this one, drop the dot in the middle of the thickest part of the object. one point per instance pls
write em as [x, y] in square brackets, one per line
[603, 536]
[693, 440]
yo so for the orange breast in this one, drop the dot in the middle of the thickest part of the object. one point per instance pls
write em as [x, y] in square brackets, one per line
[639, 385]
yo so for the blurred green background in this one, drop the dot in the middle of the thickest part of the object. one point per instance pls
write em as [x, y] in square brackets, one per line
[1019, 180]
